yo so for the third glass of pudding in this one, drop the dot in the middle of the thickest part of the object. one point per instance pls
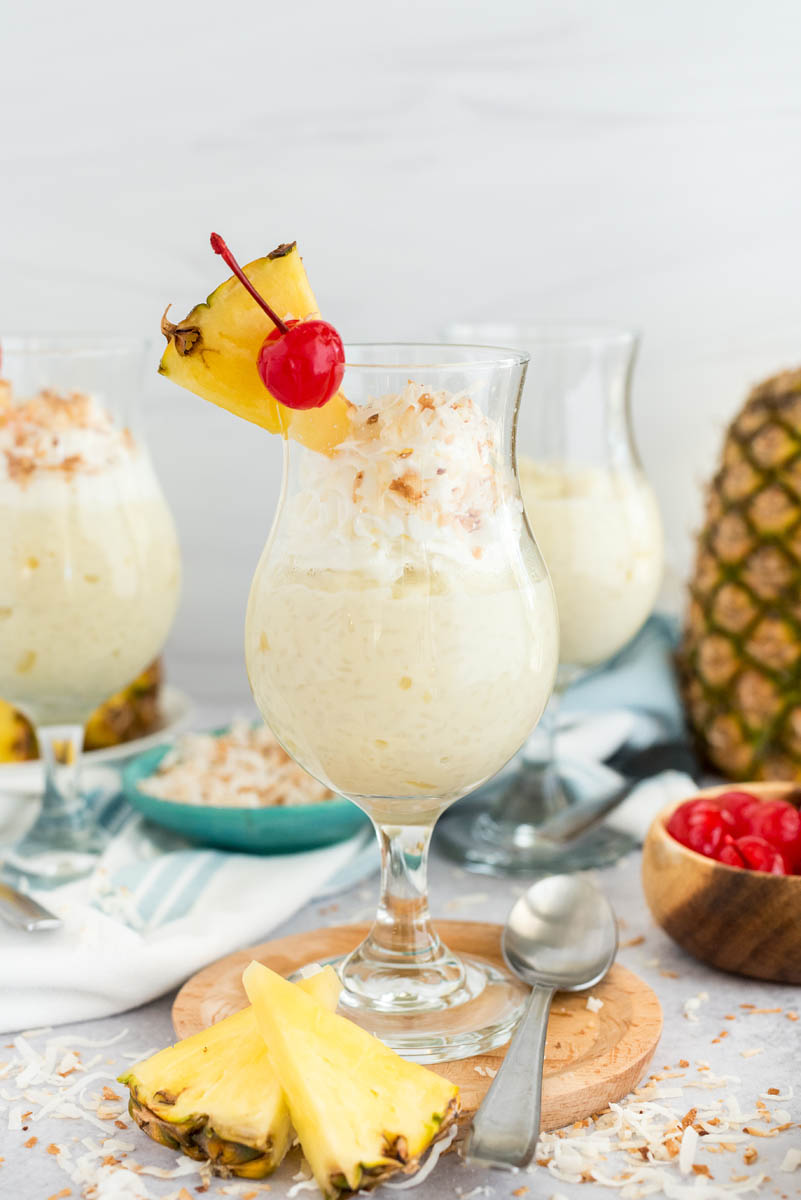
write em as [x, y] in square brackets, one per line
[402, 643]
[596, 520]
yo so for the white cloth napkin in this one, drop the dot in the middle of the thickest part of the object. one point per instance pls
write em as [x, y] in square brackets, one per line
[582, 746]
[154, 911]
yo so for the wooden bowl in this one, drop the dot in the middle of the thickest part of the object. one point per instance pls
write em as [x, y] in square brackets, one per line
[747, 922]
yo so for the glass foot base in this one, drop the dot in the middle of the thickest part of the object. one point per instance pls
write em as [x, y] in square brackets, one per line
[478, 1015]
[485, 846]
[58, 856]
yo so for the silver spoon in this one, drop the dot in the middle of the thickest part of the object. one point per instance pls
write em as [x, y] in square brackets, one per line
[23, 912]
[560, 936]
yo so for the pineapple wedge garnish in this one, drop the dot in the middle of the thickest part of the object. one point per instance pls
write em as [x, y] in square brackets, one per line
[215, 1095]
[360, 1111]
[214, 351]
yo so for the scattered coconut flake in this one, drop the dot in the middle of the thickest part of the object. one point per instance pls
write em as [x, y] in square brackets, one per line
[644, 1146]
[423, 1173]
[689, 1145]
[184, 1166]
[305, 1185]
[594, 1004]
[752, 1053]
[791, 1161]
[692, 1004]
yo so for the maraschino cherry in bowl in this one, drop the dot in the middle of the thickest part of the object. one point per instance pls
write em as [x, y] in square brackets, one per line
[728, 891]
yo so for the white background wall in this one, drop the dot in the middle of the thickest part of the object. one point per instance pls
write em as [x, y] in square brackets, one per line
[567, 159]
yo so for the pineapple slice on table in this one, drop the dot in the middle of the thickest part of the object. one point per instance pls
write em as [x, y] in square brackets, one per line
[360, 1111]
[215, 1095]
[214, 351]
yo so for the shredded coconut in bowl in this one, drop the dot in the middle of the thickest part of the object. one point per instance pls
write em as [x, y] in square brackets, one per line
[242, 768]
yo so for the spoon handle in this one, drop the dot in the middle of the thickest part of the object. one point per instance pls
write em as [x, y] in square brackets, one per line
[507, 1125]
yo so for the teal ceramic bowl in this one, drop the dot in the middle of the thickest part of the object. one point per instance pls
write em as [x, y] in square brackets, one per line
[249, 830]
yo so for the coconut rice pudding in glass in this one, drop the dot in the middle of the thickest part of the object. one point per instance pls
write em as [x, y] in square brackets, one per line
[90, 572]
[402, 642]
[596, 521]
[389, 637]
[600, 533]
[89, 569]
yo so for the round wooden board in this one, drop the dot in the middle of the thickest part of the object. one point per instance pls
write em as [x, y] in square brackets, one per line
[591, 1058]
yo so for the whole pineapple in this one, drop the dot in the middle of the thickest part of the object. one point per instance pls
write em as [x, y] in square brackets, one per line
[741, 654]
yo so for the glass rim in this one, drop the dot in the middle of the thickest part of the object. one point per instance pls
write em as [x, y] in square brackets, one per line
[443, 356]
[68, 345]
[550, 333]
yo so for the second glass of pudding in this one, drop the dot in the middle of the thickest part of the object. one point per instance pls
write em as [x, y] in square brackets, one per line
[402, 643]
[89, 566]
[597, 523]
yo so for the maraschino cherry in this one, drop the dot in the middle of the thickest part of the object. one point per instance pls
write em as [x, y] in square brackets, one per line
[301, 363]
[740, 830]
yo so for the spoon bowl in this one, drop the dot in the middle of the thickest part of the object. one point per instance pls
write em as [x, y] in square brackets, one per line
[561, 935]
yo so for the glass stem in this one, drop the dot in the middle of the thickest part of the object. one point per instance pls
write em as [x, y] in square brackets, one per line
[60, 747]
[403, 929]
[402, 964]
[63, 841]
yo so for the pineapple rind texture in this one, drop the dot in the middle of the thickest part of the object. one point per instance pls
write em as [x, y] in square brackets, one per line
[17, 739]
[214, 350]
[740, 658]
[360, 1111]
[132, 713]
[215, 1095]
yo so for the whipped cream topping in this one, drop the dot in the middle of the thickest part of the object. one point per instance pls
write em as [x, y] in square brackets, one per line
[52, 432]
[420, 474]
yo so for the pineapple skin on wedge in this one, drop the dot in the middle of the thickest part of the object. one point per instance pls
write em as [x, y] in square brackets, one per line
[361, 1112]
[214, 351]
[215, 1096]
[17, 739]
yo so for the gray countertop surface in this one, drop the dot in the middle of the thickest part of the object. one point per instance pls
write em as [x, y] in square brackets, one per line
[34, 1174]
[761, 1050]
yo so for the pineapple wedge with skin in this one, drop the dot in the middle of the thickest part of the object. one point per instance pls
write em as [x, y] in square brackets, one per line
[215, 1095]
[214, 351]
[361, 1112]
[17, 739]
[132, 713]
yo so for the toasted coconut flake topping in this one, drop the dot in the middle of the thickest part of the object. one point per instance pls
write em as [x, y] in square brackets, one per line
[68, 433]
[420, 472]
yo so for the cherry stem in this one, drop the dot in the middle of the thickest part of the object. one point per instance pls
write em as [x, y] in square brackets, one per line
[219, 247]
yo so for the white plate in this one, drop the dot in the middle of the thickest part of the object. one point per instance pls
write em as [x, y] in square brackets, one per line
[176, 708]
